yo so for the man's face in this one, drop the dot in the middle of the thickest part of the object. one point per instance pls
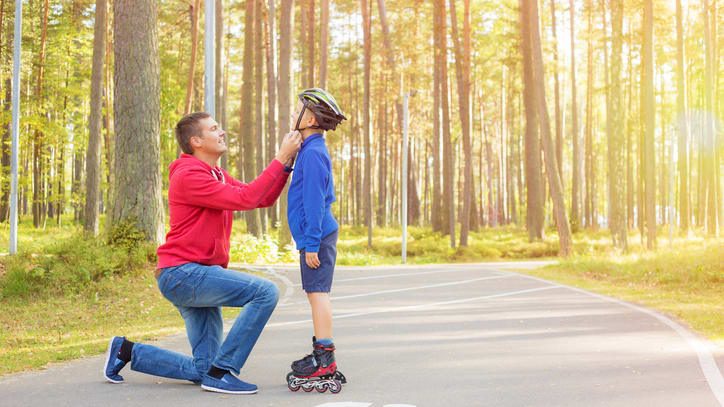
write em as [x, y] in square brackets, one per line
[212, 139]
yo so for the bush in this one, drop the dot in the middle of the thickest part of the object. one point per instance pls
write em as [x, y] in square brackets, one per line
[71, 265]
[264, 250]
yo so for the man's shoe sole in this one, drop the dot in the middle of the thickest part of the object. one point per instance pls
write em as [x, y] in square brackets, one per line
[217, 390]
[108, 358]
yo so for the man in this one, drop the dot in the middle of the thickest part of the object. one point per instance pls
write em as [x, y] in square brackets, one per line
[191, 270]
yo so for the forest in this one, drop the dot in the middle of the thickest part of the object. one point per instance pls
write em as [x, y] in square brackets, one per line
[555, 116]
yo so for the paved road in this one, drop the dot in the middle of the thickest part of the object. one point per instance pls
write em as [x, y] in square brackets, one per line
[448, 335]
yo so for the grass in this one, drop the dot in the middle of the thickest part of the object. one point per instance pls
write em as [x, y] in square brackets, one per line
[685, 281]
[66, 293]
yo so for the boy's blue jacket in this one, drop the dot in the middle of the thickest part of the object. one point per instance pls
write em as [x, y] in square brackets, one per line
[311, 194]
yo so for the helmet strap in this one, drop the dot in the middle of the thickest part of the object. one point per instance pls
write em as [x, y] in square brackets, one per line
[299, 120]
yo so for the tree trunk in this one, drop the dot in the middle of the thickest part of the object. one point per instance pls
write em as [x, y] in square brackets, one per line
[309, 47]
[367, 32]
[616, 142]
[630, 160]
[559, 210]
[576, 163]
[647, 110]
[534, 188]
[271, 81]
[323, 43]
[682, 121]
[93, 160]
[448, 159]
[194, 17]
[108, 118]
[559, 130]
[462, 70]
[39, 179]
[436, 207]
[382, 201]
[247, 160]
[710, 146]
[259, 107]
[137, 182]
[286, 41]
[588, 219]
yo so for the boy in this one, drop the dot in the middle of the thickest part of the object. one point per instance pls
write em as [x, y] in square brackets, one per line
[311, 194]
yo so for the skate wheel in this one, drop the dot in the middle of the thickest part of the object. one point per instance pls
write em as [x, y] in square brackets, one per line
[292, 386]
[322, 388]
[335, 387]
[307, 387]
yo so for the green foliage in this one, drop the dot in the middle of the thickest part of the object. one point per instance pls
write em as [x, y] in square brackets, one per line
[251, 250]
[71, 266]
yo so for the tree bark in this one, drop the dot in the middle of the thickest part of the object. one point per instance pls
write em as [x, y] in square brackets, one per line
[559, 210]
[194, 17]
[259, 107]
[588, 218]
[39, 179]
[323, 43]
[576, 163]
[559, 130]
[534, 188]
[648, 112]
[309, 48]
[462, 70]
[93, 160]
[247, 138]
[682, 123]
[616, 142]
[271, 81]
[367, 34]
[137, 110]
[448, 159]
[710, 146]
[286, 41]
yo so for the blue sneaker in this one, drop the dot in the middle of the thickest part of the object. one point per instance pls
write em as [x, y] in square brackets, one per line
[114, 365]
[228, 383]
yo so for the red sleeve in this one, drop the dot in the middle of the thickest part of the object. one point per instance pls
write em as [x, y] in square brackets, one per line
[198, 187]
[272, 194]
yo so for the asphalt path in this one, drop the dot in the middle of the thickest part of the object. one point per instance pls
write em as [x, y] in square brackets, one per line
[443, 335]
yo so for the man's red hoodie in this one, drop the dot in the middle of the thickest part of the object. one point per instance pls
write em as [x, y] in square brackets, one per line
[201, 202]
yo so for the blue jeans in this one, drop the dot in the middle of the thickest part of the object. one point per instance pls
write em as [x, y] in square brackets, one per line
[198, 292]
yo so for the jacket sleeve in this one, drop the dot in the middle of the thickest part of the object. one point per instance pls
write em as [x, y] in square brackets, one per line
[272, 194]
[195, 186]
[314, 187]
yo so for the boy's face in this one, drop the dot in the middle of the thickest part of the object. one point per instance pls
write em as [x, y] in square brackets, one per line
[212, 140]
[308, 119]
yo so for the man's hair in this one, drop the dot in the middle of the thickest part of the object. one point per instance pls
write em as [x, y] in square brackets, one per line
[188, 127]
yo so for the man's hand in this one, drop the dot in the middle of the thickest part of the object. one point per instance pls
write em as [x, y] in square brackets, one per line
[312, 260]
[291, 144]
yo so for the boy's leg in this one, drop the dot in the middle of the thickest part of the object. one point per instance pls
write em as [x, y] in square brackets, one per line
[321, 314]
[318, 283]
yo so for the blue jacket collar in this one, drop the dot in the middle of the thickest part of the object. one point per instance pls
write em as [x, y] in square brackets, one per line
[311, 138]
